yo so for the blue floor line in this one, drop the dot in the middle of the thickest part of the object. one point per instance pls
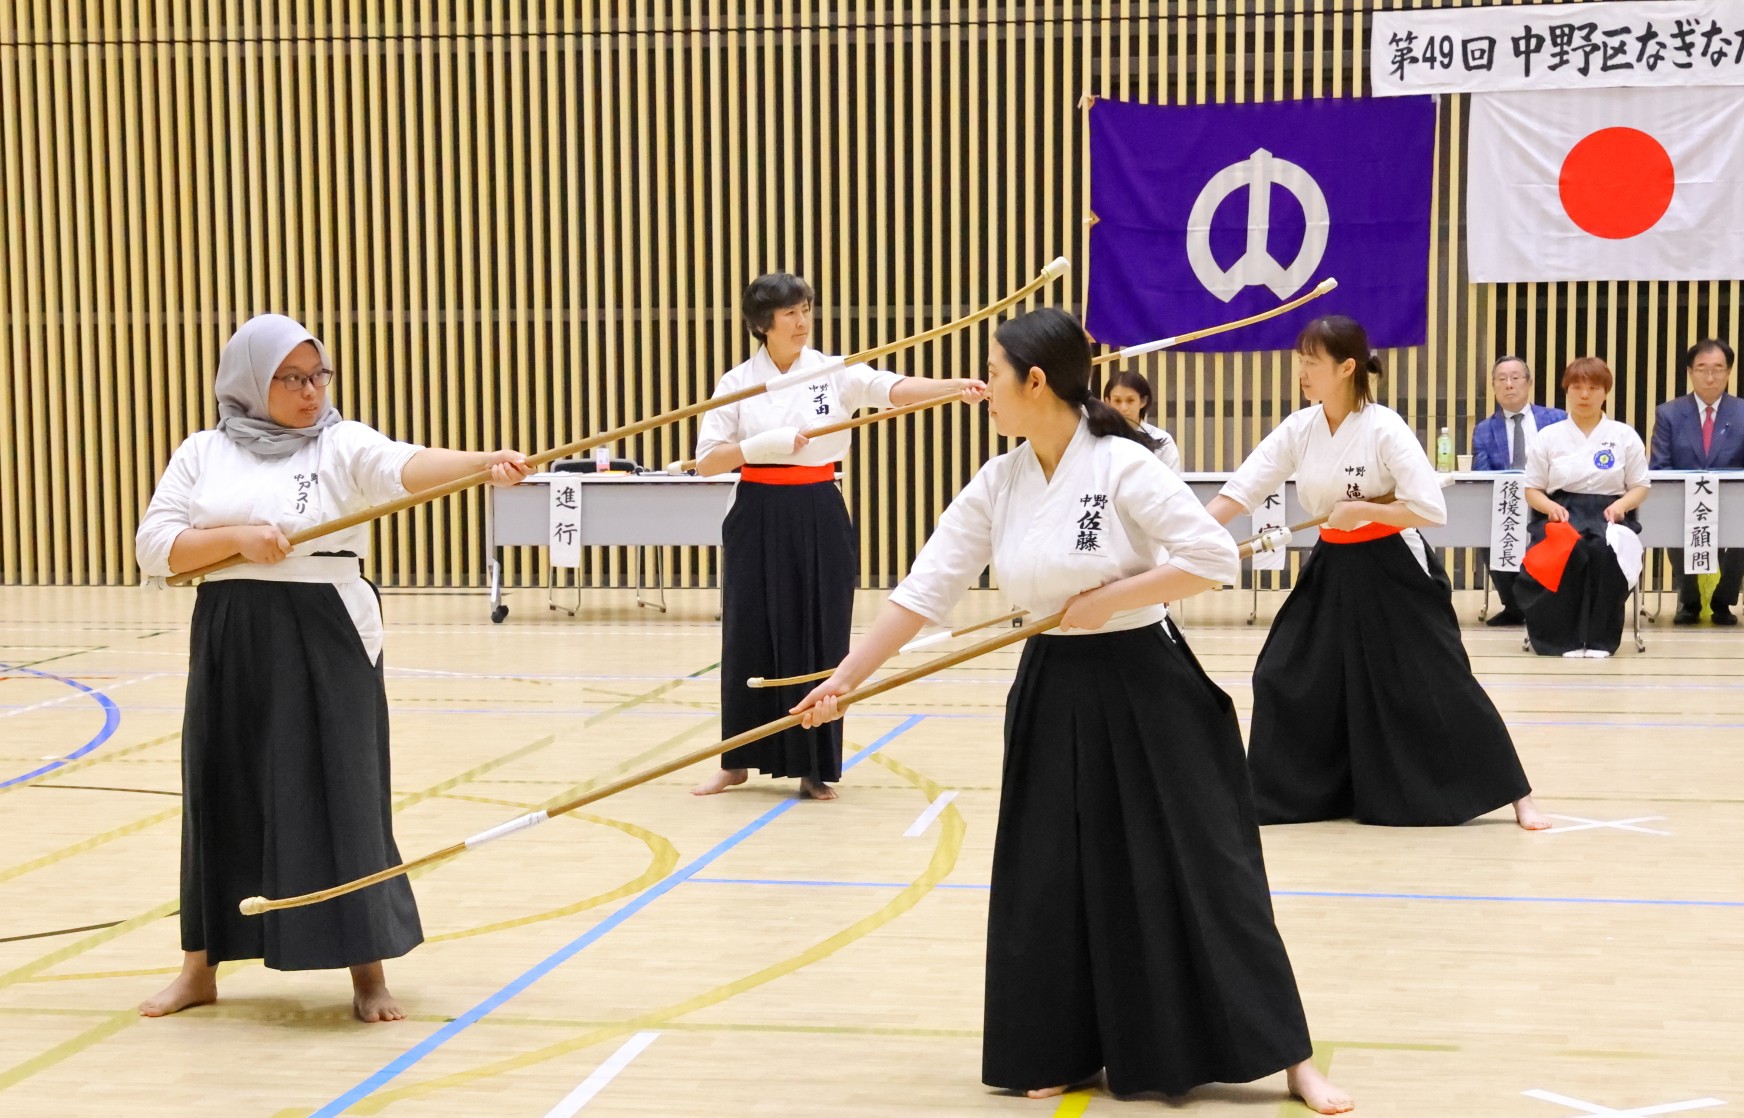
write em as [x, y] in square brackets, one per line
[111, 723]
[404, 1062]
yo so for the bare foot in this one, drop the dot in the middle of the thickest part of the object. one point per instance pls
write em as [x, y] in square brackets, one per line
[1526, 814]
[1317, 1092]
[720, 782]
[1055, 1092]
[370, 998]
[196, 985]
[816, 789]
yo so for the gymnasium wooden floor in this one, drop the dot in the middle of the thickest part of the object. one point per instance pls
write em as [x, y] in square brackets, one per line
[750, 954]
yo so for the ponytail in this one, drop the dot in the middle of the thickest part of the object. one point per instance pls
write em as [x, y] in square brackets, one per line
[1052, 340]
[1343, 339]
[1105, 421]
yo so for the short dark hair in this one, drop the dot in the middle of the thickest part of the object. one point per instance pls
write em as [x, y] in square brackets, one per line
[770, 293]
[1708, 345]
[1132, 382]
[1343, 339]
[1588, 370]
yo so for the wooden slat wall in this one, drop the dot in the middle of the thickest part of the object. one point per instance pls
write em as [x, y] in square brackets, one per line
[518, 223]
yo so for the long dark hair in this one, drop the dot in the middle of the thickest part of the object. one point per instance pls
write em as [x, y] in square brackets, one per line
[1343, 339]
[1132, 382]
[1052, 340]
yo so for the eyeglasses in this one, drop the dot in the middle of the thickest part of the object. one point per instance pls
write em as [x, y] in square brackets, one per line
[1514, 378]
[296, 381]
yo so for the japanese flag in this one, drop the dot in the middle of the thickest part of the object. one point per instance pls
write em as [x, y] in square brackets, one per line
[1606, 184]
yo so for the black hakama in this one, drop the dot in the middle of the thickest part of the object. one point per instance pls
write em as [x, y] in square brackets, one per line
[789, 559]
[285, 782]
[1587, 607]
[1130, 923]
[1365, 706]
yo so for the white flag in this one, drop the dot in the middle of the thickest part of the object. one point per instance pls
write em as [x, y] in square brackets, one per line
[1606, 184]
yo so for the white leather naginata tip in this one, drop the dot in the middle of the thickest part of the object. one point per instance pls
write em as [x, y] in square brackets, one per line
[926, 642]
[253, 906]
[754, 681]
[1325, 285]
[675, 468]
[1057, 267]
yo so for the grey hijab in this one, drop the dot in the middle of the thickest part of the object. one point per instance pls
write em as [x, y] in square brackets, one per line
[245, 372]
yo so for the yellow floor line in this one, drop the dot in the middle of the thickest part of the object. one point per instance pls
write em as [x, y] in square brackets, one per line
[87, 762]
[96, 1034]
[1073, 1104]
[944, 859]
[91, 843]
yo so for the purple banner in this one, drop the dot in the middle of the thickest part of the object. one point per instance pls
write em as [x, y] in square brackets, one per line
[1209, 213]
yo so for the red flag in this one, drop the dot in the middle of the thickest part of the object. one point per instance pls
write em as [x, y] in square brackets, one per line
[1546, 559]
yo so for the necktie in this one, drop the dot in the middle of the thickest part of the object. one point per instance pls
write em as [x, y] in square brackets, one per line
[1517, 458]
[1707, 429]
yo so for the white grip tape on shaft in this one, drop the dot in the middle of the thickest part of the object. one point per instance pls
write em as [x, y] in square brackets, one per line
[530, 820]
[1272, 539]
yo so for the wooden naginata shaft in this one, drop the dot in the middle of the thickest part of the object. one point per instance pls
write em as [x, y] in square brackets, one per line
[1320, 289]
[846, 424]
[757, 681]
[254, 906]
[1055, 269]
[1248, 546]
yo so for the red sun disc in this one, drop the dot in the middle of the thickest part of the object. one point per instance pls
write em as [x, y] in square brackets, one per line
[1617, 183]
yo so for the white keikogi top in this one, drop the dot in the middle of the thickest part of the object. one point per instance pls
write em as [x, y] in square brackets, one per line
[1372, 454]
[832, 396]
[1610, 461]
[1109, 512]
[213, 483]
[1167, 452]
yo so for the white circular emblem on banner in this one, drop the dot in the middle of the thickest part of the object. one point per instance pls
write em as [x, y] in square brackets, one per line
[1258, 173]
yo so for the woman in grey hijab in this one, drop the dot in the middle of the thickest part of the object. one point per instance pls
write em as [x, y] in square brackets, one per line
[285, 732]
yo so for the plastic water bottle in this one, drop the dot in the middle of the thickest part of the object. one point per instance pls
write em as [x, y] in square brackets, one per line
[602, 459]
[1444, 452]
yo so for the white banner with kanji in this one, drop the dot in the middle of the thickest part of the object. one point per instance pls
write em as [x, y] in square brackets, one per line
[1269, 515]
[1701, 524]
[565, 523]
[1507, 523]
[1656, 44]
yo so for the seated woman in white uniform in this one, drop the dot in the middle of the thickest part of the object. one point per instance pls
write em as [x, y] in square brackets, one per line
[1591, 474]
[1130, 395]
[285, 733]
[1130, 926]
[1365, 706]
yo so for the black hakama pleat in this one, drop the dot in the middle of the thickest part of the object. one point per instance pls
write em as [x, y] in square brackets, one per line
[1130, 923]
[285, 782]
[789, 559]
[1365, 706]
[1587, 608]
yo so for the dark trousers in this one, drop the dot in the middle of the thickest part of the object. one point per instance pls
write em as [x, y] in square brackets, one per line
[1503, 580]
[1689, 595]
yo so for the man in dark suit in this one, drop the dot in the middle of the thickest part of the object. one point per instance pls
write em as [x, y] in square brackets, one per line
[1703, 431]
[1500, 442]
